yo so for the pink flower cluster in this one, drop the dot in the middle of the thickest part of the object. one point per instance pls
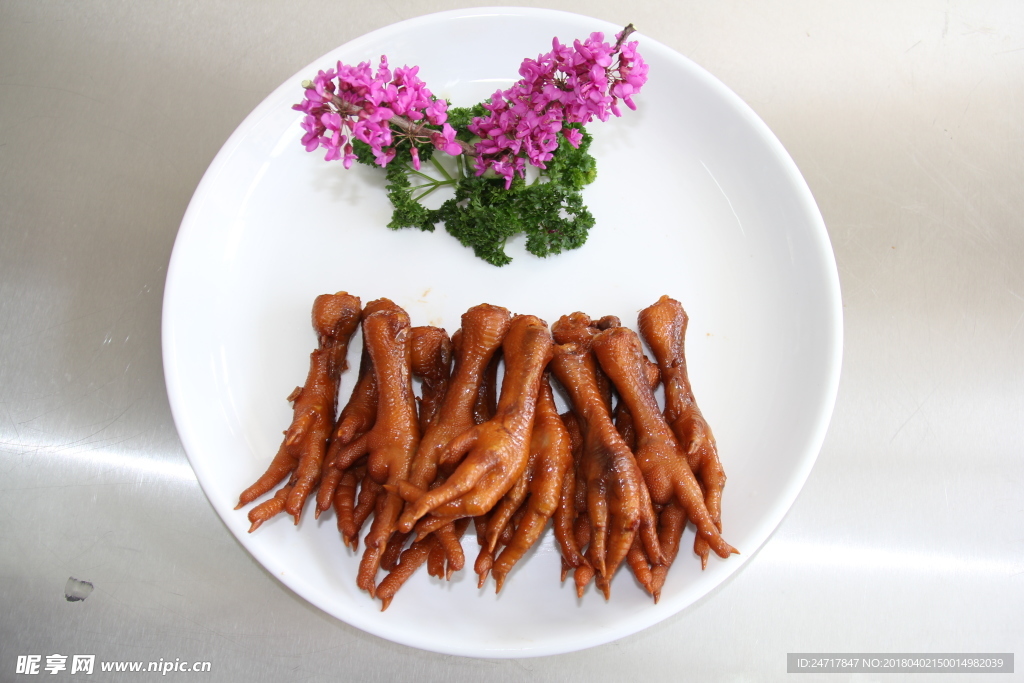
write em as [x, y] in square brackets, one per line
[351, 102]
[567, 85]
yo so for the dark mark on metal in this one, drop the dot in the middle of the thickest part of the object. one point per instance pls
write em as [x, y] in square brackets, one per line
[75, 590]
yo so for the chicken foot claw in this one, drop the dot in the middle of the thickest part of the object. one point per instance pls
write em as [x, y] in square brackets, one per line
[663, 462]
[617, 501]
[663, 327]
[335, 318]
[497, 450]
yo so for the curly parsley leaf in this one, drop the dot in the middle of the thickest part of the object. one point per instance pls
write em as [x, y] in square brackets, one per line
[408, 212]
[483, 215]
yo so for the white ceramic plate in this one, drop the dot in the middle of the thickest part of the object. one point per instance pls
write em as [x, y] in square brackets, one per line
[695, 198]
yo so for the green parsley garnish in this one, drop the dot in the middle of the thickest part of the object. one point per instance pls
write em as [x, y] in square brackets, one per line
[483, 215]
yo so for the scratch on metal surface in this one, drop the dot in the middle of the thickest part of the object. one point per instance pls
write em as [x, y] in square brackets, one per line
[66, 321]
[84, 444]
[97, 453]
[912, 415]
[521, 665]
[10, 417]
[981, 227]
[394, 10]
[969, 96]
[1016, 324]
[62, 406]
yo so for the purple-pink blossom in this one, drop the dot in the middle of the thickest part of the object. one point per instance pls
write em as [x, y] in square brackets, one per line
[567, 85]
[354, 103]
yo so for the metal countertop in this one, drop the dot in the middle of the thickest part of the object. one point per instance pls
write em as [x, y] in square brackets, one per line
[906, 120]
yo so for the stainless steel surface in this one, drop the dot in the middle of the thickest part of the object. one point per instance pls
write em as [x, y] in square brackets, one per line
[905, 118]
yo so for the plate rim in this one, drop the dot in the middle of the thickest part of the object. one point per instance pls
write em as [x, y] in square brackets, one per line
[825, 257]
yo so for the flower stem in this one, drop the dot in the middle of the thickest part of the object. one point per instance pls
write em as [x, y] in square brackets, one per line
[439, 167]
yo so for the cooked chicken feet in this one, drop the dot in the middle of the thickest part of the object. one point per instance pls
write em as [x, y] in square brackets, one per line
[617, 490]
[663, 326]
[335, 318]
[496, 451]
[550, 463]
[662, 460]
[618, 503]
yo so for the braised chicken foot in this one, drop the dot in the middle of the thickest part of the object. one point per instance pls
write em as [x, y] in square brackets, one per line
[431, 351]
[550, 463]
[663, 327]
[663, 462]
[389, 445]
[483, 330]
[495, 452]
[335, 318]
[618, 506]
[572, 501]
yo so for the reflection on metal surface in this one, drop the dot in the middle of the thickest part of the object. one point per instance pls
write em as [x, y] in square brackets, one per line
[111, 459]
[165, 469]
[808, 554]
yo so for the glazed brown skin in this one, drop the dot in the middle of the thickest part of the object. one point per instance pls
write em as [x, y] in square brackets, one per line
[571, 522]
[430, 550]
[509, 504]
[550, 462]
[495, 452]
[626, 501]
[355, 420]
[623, 420]
[393, 552]
[395, 435]
[652, 578]
[585, 573]
[430, 359]
[483, 329]
[578, 328]
[487, 396]
[485, 558]
[483, 410]
[345, 505]
[390, 444]
[357, 417]
[352, 512]
[432, 363]
[473, 347]
[411, 560]
[637, 560]
[431, 354]
[662, 460]
[335, 318]
[435, 561]
[617, 501]
[663, 327]
[359, 414]
[269, 508]
[564, 518]
[671, 523]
